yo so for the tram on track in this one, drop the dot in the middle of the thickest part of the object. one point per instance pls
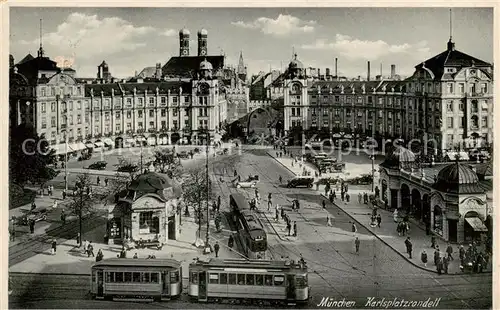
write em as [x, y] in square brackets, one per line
[158, 279]
[257, 280]
[251, 234]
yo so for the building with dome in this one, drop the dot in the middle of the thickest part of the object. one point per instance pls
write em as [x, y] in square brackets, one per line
[454, 200]
[448, 100]
[148, 210]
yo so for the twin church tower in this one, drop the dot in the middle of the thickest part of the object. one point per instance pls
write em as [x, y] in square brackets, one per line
[184, 35]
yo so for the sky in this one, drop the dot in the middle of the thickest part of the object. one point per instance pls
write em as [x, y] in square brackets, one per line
[129, 39]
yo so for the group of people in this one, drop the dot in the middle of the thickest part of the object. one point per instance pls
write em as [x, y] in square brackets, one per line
[280, 212]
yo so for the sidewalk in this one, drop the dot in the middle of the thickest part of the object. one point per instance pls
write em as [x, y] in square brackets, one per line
[387, 233]
[69, 259]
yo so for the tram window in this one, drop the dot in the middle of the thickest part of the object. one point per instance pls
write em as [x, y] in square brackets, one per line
[214, 278]
[278, 280]
[232, 278]
[118, 276]
[250, 279]
[110, 277]
[93, 276]
[300, 281]
[128, 277]
[223, 278]
[136, 277]
[241, 279]
[194, 277]
[154, 277]
[259, 279]
[174, 276]
[145, 277]
[268, 280]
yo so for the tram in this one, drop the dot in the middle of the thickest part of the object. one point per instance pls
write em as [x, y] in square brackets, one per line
[252, 236]
[257, 280]
[158, 279]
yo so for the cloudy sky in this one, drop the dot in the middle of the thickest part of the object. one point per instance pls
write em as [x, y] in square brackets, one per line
[130, 39]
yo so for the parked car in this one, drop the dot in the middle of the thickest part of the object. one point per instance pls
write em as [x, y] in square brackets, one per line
[98, 165]
[480, 155]
[452, 155]
[183, 155]
[300, 181]
[246, 184]
[38, 214]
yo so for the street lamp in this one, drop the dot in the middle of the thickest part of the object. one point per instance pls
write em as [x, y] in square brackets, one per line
[207, 137]
[65, 131]
[140, 143]
[372, 157]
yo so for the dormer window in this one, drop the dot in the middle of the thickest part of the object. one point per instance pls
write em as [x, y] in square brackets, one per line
[450, 70]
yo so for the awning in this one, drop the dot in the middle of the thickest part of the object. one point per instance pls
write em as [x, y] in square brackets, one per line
[75, 147]
[60, 148]
[140, 138]
[130, 140]
[99, 144]
[108, 141]
[151, 140]
[476, 224]
[89, 145]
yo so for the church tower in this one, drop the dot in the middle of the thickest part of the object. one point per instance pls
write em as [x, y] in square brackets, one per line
[202, 42]
[184, 42]
[242, 70]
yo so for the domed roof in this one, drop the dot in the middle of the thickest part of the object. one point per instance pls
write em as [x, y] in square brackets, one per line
[295, 63]
[458, 178]
[203, 32]
[399, 155]
[150, 182]
[206, 65]
[184, 31]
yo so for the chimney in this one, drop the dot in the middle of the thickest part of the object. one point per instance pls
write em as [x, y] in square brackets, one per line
[336, 72]
[319, 73]
[393, 71]
[327, 72]
[359, 77]
[368, 74]
[158, 71]
[380, 69]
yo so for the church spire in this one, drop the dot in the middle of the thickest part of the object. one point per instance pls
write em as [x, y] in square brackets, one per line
[241, 64]
[451, 45]
[40, 50]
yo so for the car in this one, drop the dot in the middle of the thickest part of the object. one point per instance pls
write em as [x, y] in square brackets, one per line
[183, 154]
[98, 165]
[246, 184]
[480, 155]
[38, 214]
[300, 181]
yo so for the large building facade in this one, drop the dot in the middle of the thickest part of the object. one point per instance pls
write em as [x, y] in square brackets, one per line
[449, 97]
[160, 111]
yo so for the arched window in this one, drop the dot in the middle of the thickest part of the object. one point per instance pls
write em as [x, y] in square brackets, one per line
[438, 220]
[474, 106]
[474, 121]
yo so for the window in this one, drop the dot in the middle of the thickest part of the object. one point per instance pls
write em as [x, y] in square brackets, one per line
[117, 127]
[360, 99]
[241, 279]
[175, 124]
[325, 112]
[223, 278]
[213, 278]
[268, 280]
[163, 100]
[232, 278]
[194, 277]
[110, 277]
[474, 106]
[301, 281]
[117, 115]
[462, 122]
[151, 124]
[78, 105]
[484, 88]
[259, 279]
[279, 280]
[44, 123]
[106, 116]
[129, 102]
[148, 224]
[163, 112]
[151, 113]
[128, 276]
[154, 277]
[70, 119]
[79, 119]
[174, 99]
[250, 279]
[484, 121]
[136, 277]
[151, 100]
[186, 99]
[381, 101]
[145, 276]
[174, 276]
[118, 276]
[129, 114]
[337, 99]
[461, 88]
[139, 124]
[43, 91]
[139, 114]
[87, 117]
[96, 117]
[175, 113]
[52, 106]
[449, 106]
[449, 87]
[43, 107]
[163, 124]
[140, 101]
[461, 106]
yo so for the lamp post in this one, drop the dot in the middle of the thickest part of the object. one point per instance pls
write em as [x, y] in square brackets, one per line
[65, 131]
[140, 144]
[372, 157]
[207, 137]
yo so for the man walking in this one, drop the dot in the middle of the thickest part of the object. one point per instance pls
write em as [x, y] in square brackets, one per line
[216, 248]
[353, 229]
[356, 244]
[324, 204]
[423, 256]
[360, 197]
[461, 254]
[409, 246]
[98, 180]
[449, 251]
[379, 220]
[269, 202]
[294, 228]
[288, 227]
[54, 246]
[63, 217]
[90, 249]
[328, 220]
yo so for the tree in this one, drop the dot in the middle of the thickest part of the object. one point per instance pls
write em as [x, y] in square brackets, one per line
[29, 156]
[83, 201]
[125, 165]
[196, 190]
[168, 163]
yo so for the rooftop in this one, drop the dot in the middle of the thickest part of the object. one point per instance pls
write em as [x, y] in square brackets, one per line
[188, 66]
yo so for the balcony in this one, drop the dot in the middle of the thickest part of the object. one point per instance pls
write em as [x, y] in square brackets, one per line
[475, 94]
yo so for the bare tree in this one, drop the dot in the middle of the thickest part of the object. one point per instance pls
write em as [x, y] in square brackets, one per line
[168, 163]
[196, 192]
[83, 201]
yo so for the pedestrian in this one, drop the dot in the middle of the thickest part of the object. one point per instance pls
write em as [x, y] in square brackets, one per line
[280, 179]
[294, 228]
[277, 213]
[12, 232]
[33, 206]
[328, 220]
[347, 197]
[216, 248]
[54, 246]
[99, 256]
[98, 180]
[269, 204]
[85, 246]
[123, 253]
[342, 195]
[356, 244]
[360, 197]
[354, 229]
[449, 251]
[135, 256]
[409, 246]
[282, 213]
[433, 242]
[334, 195]
[445, 264]
[395, 215]
[32, 226]
[288, 227]
[63, 217]
[106, 182]
[379, 220]
[461, 254]
[439, 265]
[423, 256]
[78, 239]
[437, 255]
[230, 242]
[324, 204]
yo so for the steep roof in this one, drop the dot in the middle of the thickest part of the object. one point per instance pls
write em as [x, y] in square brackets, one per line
[147, 72]
[187, 66]
[336, 86]
[458, 178]
[26, 58]
[128, 88]
[31, 67]
[450, 58]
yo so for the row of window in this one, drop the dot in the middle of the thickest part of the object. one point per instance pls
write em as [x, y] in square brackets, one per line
[474, 122]
[247, 279]
[474, 106]
[138, 277]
